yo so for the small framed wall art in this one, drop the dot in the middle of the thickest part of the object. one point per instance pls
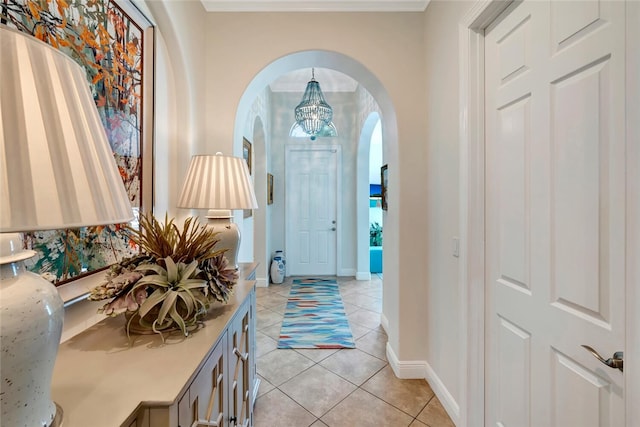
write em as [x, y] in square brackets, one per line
[246, 153]
[269, 189]
[384, 180]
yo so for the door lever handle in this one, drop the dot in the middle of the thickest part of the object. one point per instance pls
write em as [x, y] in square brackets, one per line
[615, 362]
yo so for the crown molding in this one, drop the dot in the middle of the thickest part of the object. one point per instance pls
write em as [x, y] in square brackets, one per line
[315, 5]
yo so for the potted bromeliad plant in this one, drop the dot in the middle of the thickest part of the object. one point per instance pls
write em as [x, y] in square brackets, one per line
[172, 283]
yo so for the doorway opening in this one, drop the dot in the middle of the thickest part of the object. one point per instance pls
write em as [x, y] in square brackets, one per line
[377, 107]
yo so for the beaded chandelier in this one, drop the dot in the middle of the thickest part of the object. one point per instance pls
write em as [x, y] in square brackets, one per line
[313, 113]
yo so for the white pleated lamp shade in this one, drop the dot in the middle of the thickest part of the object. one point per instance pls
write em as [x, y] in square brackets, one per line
[57, 169]
[217, 182]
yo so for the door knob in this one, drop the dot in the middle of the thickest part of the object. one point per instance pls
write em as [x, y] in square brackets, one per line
[333, 229]
[615, 362]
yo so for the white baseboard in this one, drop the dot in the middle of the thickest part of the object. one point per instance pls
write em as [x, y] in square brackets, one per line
[419, 369]
[363, 275]
[262, 283]
[414, 369]
[347, 272]
[384, 322]
[448, 402]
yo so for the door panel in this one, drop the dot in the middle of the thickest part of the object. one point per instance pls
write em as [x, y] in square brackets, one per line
[555, 203]
[579, 165]
[570, 23]
[311, 211]
[515, 380]
[592, 397]
[514, 225]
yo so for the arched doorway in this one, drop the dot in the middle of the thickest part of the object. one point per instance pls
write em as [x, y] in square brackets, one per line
[387, 115]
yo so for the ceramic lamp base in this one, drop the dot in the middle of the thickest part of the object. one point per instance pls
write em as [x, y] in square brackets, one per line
[57, 421]
[228, 234]
[31, 316]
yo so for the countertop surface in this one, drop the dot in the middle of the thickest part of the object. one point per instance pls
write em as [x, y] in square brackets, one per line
[101, 377]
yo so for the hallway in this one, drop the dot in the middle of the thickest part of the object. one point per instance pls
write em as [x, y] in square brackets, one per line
[337, 388]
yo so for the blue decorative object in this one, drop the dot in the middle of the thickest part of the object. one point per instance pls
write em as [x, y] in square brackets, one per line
[375, 259]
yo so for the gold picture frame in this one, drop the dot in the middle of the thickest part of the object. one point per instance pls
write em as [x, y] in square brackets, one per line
[384, 178]
[269, 189]
[247, 155]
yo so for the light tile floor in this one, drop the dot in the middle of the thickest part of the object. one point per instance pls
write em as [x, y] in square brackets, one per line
[337, 388]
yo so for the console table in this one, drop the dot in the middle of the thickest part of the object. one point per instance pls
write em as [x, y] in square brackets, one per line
[101, 379]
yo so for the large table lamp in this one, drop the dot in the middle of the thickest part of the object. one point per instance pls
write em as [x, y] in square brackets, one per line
[56, 171]
[220, 184]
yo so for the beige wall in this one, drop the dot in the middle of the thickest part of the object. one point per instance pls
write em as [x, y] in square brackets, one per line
[442, 127]
[211, 59]
[390, 47]
[420, 299]
[179, 97]
[240, 45]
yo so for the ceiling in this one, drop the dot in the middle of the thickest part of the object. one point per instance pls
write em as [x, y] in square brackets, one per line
[329, 80]
[315, 5]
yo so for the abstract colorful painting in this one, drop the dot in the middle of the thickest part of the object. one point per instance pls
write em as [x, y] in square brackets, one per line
[104, 39]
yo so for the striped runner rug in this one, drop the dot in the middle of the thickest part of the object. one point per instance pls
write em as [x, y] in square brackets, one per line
[314, 317]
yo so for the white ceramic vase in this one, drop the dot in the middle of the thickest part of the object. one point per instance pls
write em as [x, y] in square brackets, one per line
[277, 270]
[31, 316]
[284, 261]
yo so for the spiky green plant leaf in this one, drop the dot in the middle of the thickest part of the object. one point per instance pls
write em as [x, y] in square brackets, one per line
[162, 240]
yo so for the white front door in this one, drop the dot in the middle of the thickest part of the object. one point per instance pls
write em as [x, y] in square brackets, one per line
[311, 213]
[555, 214]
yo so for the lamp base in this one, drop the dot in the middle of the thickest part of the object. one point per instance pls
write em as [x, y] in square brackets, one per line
[57, 421]
[228, 234]
[31, 316]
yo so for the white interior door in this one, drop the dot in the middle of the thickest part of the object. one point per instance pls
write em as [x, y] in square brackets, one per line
[555, 214]
[311, 212]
